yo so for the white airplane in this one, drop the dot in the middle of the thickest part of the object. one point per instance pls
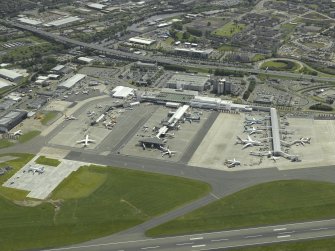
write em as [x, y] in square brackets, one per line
[233, 163]
[252, 130]
[85, 92]
[254, 120]
[34, 170]
[86, 141]
[19, 132]
[304, 141]
[70, 117]
[168, 151]
[249, 142]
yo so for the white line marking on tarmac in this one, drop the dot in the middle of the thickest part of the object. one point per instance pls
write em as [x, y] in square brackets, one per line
[196, 238]
[279, 229]
[318, 229]
[199, 246]
[150, 247]
[220, 240]
[186, 243]
[253, 236]
[288, 232]
[216, 197]
[283, 236]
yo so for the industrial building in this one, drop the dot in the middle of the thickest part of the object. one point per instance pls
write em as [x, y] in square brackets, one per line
[85, 60]
[68, 84]
[10, 75]
[11, 119]
[37, 103]
[96, 6]
[189, 82]
[192, 52]
[141, 41]
[63, 22]
[6, 104]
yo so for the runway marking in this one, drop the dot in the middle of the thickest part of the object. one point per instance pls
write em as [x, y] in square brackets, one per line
[199, 246]
[283, 236]
[288, 232]
[220, 240]
[150, 247]
[186, 243]
[196, 238]
[279, 229]
[216, 197]
[253, 236]
[318, 229]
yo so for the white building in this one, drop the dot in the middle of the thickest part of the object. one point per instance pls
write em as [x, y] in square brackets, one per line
[10, 75]
[122, 92]
[141, 41]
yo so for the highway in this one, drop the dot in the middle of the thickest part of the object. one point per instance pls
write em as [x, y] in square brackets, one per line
[221, 240]
[161, 59]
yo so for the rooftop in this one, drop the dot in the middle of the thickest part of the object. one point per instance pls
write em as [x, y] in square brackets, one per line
[188, 79]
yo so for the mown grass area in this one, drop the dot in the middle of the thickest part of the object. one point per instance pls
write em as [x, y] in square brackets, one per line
[229, 29]
[5, 143]
[227, 47]
[268, 203]
[48, 116]
[42, 160]
[79, 184]
[258, 57]
[28, 136]
[122, 199]
[310, 245]
[280, 65]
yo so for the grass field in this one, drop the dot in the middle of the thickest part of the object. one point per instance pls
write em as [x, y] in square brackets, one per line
[312, 245]
[5, 143]
[28, 136]
[229, 30]
[42, 160]
[268, 203]
[116, 199]
[47, 117]
[280, 65]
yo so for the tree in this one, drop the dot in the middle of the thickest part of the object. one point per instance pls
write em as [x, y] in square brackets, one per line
[186, 35]
[209, 23]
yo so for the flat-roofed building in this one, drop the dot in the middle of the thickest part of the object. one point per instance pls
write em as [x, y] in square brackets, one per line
[10, 75]
[141, 41]
[69, 83]
[192, 52]
[11, 119]
[96, 6]
[29, 21]
[193, 82]
[122, 92]
[63, 22]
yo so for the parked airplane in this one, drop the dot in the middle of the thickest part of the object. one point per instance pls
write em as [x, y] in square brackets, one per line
[252, 130]
[249, 142]
[304, 141]
[70, 117]
[258, 121]
[166, 151]
[19, 132]
[34, 170]
[233, 163]
[86, 141]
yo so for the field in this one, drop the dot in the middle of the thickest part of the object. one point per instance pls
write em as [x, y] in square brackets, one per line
[228, 30]
[112, 200]
[313, 245]
[280, 65]
[28, 136]
[47, 117]
[268, 203]
[42, 160]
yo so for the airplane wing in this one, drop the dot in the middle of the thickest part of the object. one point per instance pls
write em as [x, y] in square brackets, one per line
[249, 138]
[81, 141]
[246, 145]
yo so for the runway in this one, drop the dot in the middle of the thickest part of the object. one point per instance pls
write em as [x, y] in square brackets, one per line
[222, 240]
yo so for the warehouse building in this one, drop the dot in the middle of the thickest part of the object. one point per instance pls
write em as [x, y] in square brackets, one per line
[63, 22]
[189, 82]
[11, 119]
[141, 41]
[68, 84]
[10, 75]
[122, 92]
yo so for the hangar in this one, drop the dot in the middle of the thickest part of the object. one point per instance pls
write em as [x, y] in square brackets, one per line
[122, 92]
[11, 119]
[68, 84]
